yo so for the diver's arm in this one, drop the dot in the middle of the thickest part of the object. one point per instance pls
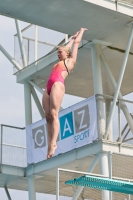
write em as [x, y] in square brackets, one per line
[72, 40]
[76, 44]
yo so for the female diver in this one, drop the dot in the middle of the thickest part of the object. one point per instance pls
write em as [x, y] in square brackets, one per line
[55, 88]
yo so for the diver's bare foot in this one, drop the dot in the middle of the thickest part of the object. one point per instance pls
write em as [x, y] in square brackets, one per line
[51, 150]
[48, 149]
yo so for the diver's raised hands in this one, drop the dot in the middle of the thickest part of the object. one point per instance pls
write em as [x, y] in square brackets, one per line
[84, 29]
[75, 35]
[76, 38]
[80, 34]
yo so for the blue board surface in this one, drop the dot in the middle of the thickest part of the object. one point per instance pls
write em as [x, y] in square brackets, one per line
[102, 184]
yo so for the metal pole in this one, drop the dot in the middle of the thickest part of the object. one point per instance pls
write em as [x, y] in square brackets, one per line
[100, 107]
[37, 87]
[36, 42]
[20, 43]
[119, 80]
[110, 171]
[114, 85]
[12, 60]
[104, 170]
[28, 109]
[108, 105]
[129, 196]
[97, 79]
[1, 136]
[57, 184]
[90, 169]
[28, 52]
[7, 193]
[31, 188]
[119, 120]
[38, 104]
[117, 5]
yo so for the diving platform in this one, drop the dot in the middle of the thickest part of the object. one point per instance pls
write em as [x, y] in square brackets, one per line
[78, 159]
[107, 28]
[61, 16]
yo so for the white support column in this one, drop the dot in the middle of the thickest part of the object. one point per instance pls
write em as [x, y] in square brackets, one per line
[119, 80]
[20, 43]
[7, 193]
[12, 60]
[38, 104]
[90, 169]
[104, 170]
[28, 52]
[108, 106]
[119, 120]
[97, 79]
[31, 188]
[28, 109]
[110, 171]
[114, 85]
[36, 42]
[1, 141]
[37, 87]
[57, 184]
[129, 197]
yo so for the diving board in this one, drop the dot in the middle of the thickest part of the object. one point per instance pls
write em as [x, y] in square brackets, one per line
[102, 184]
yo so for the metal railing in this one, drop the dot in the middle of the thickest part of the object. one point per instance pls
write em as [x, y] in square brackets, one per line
[13, 146]
[120, 128]
[36, 48]
[129, 2]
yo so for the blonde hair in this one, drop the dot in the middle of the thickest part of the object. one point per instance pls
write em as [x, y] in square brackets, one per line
[67, 49]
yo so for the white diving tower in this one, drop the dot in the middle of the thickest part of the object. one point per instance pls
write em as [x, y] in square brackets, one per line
[104, 69]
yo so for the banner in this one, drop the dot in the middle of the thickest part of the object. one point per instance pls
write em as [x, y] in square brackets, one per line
[78, 127]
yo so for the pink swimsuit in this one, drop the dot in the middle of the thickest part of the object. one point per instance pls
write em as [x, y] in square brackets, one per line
[55, 75]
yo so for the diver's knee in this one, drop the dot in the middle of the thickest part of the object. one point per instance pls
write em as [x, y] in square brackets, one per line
[54, 115]
[48, 118]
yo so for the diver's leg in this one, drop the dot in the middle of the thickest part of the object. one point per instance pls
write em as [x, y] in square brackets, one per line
[46, 107]
[56, 96]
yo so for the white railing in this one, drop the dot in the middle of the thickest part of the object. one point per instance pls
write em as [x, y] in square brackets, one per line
[130, 2]
[38, 42]
[13, 146]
